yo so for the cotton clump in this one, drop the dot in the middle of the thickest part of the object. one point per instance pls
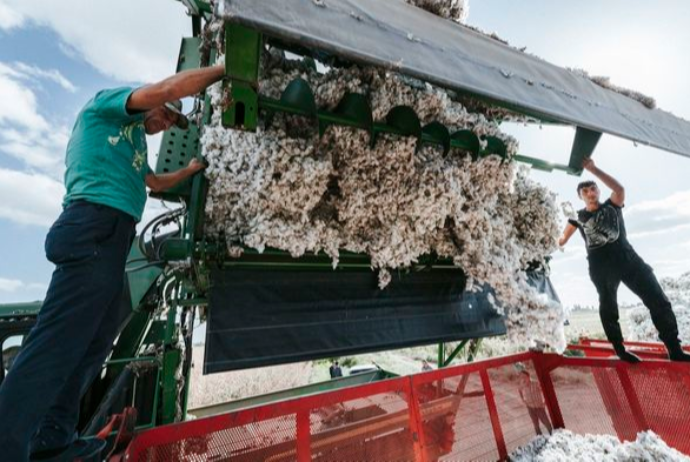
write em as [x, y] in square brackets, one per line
[565, 445]
[455, 10]
[639, 320]
[285, 187]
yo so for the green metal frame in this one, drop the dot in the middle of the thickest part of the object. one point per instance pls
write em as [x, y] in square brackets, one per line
[242, 57]
[472, 346]
[243, 47]
[305, 390]
[583, 147]
[178, 146]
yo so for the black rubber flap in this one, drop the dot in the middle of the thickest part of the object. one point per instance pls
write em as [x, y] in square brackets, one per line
[264, 317]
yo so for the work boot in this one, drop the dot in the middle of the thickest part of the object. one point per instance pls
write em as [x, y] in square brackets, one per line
[625, 355]
[676, 353]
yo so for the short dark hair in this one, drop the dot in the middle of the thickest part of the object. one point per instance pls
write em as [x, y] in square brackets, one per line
[585, 184]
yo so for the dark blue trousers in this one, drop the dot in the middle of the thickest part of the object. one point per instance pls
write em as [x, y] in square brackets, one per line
[74, 332]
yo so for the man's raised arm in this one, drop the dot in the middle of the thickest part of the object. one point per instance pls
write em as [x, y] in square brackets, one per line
[618, 194]
[180, 85]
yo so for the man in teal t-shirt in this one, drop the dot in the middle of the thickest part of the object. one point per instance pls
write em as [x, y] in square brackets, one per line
[106, 179]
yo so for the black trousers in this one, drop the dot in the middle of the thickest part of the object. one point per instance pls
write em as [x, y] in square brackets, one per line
[63, 353]
[608, 271]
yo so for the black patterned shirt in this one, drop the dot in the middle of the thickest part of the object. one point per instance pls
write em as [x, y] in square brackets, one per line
[603, 229]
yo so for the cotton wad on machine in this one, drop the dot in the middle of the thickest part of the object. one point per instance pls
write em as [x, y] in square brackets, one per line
[270, 308]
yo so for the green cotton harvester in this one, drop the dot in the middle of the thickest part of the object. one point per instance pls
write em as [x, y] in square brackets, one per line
[269, 308]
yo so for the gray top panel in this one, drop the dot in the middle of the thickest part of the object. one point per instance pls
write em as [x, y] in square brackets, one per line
[395, 35]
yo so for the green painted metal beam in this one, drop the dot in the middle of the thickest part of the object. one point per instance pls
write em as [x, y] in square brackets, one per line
[458, 349]
[242, 59]
[13, 310]
[441, 359]
[546, 166]
[313, 388]
[473, 349]
[168, 384]
[583, 146]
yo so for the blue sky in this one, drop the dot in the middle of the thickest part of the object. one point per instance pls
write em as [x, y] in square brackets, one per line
[54, 55]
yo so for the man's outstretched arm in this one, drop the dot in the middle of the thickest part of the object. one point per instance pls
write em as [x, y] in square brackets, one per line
[567, 234]
[180, 85]
[618, 194]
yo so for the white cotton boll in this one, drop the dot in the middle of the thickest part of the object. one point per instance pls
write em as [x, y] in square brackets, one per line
[568, 210]
[639, 320]
[566, 445]
[284, 187]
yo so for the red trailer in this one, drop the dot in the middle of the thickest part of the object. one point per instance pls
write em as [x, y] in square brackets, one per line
[468, 412]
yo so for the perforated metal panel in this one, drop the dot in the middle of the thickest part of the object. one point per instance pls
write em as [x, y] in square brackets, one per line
[177, 148]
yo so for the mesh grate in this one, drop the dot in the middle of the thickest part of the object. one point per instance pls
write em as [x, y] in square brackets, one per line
[375, 427]
[271, 439]
[455, 419]
[452, 416]
[664, 398]
[520, 404]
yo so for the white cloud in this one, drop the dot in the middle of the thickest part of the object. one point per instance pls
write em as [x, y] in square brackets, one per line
[9, 18]
[19, 105]
[13, 285]
[24, 132]
[10, 285]
[671, 206]
[131, 40]
[29, 198]
[50, 74]
[44, 150]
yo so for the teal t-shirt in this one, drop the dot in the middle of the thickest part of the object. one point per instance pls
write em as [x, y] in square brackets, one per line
[107, 156]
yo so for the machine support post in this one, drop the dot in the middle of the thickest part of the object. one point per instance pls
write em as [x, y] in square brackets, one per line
[242, 59]
[544, 375]
[441, 361]
[303, 437]
[416, 426]
[171, 361]
[455, 353]
[493, 414]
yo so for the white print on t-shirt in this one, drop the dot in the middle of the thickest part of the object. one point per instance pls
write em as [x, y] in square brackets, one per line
[602, 228]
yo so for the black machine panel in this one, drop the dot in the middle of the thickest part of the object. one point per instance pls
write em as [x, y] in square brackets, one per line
[261, 317]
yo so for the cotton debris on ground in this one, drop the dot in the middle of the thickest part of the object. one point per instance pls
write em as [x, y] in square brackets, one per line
[285, 187]
[640, 322]
[564, 445]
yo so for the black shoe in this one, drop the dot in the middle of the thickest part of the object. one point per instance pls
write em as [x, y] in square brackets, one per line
[676, 353]
[626, 356]
[79, 451]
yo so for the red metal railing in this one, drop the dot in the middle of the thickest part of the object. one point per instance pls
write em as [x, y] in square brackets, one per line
[478, 411]
[601, 349]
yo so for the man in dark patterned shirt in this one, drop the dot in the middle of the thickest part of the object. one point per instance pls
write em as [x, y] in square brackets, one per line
[613, 260]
